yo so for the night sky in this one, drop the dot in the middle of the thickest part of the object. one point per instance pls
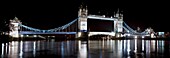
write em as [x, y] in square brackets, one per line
[51, 14]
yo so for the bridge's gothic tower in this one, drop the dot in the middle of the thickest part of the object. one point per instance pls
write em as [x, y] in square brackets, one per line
[14, 27]
[82, 22]
[118, 24]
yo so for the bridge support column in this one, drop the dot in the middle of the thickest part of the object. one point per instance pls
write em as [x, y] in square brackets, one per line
[118, 35]
[82, 23]
[118, 24]
[82, 35]
[14, 26]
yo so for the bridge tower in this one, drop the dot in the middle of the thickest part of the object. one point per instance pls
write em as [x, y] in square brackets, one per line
[82, 22]
[118, 24]
[14, 27]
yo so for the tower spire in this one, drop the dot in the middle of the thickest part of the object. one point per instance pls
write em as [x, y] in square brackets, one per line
[118, 11]
[83, 4]
[83, 9]
[117, 14]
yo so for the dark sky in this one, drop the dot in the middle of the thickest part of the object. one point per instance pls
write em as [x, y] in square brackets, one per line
[51, 14]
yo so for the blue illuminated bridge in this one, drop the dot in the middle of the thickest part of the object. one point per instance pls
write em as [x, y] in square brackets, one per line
[79, 25]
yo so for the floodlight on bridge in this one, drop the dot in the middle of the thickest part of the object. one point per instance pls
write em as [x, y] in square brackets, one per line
[143, 36]
[135, 36]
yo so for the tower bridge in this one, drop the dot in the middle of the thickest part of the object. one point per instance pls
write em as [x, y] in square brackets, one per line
[79, 26]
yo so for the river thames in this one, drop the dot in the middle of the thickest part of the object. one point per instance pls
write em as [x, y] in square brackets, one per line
[133, 48]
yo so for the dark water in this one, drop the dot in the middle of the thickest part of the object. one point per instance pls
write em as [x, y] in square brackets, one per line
[86, 49]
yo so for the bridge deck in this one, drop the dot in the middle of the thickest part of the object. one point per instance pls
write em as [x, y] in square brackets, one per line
[31, 32]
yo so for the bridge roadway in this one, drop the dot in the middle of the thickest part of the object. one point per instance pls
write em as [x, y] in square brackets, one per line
[33, 32]
[90, 33]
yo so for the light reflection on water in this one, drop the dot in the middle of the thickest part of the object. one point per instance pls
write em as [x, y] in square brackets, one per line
[86, 49]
